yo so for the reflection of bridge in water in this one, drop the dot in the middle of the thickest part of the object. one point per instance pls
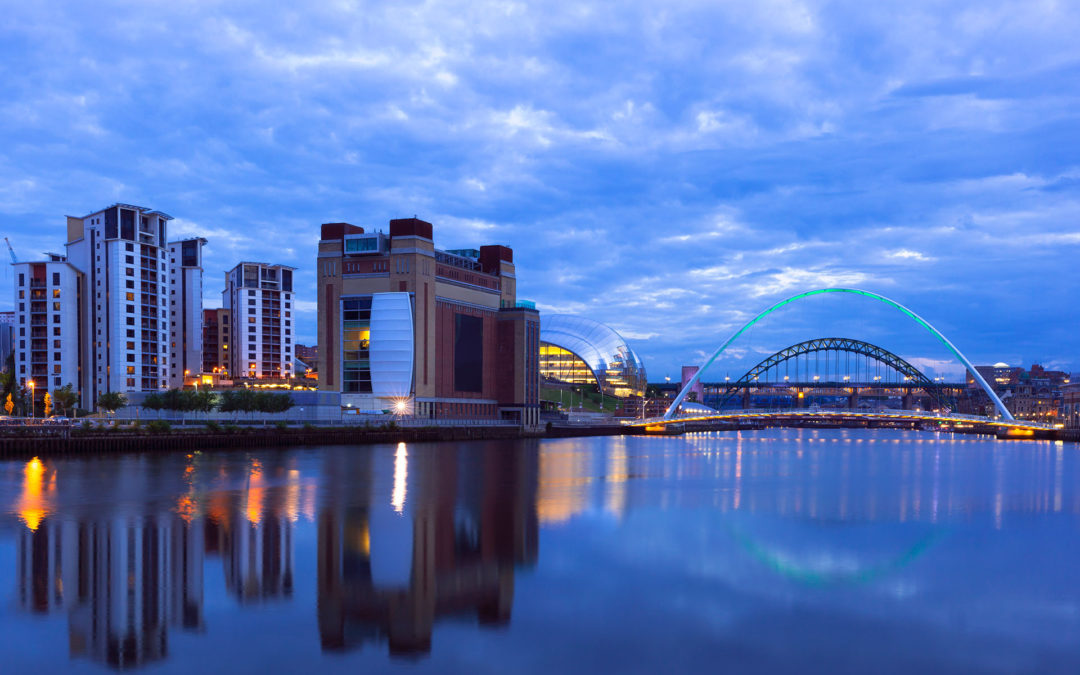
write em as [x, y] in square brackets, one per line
[841, 368]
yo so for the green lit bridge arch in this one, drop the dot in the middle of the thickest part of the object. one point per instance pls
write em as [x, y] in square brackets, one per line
[912, 377]
[1002, 410]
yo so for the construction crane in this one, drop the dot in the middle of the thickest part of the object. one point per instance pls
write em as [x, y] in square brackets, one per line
[14, 260]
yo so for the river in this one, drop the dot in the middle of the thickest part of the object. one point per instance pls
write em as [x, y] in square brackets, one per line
[832, 551]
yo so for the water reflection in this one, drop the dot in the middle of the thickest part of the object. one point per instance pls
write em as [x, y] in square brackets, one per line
[887, 477]
[125, 559]
[472, 522]
[754, 537]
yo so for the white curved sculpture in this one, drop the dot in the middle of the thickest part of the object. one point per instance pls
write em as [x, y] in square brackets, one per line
[918, 319]
[391, 344]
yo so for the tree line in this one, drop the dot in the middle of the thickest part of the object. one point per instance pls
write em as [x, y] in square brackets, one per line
[239, 400]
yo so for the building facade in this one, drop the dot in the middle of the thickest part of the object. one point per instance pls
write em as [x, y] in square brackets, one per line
[7, 333]
[185, 307]
[308, 354]
[47, 330]
[579, 350]
[1070, 405]
[259, 298]
[403, 325]
[215, 341]
[121, 252]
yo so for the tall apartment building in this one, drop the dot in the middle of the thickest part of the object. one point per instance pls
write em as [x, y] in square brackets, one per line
[402, 323]
[215, 341]
[47, 332]
[259, 298]
[99, 316]
[185, 309]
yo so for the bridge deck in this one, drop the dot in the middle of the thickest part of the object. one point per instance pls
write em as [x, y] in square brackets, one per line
[882, 415]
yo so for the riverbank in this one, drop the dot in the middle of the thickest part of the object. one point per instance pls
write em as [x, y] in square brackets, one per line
[82, 443]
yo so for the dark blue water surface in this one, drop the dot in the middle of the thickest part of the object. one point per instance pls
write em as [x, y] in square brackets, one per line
[773, 551]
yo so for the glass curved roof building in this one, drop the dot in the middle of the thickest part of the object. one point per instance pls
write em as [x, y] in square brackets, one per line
[578, 350]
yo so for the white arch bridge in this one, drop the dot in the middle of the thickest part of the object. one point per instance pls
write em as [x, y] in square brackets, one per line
[676, 417]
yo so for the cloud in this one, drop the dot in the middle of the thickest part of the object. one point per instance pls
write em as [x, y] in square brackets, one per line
[670, 169]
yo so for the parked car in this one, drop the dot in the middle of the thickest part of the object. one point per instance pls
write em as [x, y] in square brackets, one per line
[58, 419]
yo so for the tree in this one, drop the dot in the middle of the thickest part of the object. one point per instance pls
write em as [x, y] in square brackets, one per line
[111, 401]
[205, 401]
[48, 404]
[66, 398]
[9, 405]
[154, 402]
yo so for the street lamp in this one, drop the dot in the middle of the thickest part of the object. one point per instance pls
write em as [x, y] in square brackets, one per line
[32, 415]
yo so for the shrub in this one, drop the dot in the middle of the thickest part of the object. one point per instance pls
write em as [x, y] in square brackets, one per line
[308, 426]
[281, 424]
[391, 426]
[214, 427]
[231, 428]
[158, 427]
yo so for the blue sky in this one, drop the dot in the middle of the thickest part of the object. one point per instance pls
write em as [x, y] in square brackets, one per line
[670, 168]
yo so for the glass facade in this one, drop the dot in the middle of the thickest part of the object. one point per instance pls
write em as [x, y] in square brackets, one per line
[356, 339]
[579, 350]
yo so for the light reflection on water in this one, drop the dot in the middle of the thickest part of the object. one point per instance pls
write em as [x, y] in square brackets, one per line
[864, 551]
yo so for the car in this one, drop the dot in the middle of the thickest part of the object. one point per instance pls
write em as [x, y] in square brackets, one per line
[58, 419]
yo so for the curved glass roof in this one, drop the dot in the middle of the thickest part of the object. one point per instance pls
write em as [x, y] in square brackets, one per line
[604, 351]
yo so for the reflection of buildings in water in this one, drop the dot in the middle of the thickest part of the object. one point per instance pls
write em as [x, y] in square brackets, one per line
[258, 558]
[834, 476]
[123, 581]
[470, 525]
[254, 533]
[571, 479]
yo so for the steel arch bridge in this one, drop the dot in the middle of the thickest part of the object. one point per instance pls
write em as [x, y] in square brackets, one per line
[1003, 422]
[1002, 410]
[912, 377]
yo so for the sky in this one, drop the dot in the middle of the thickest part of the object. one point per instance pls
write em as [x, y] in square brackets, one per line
[668, 168]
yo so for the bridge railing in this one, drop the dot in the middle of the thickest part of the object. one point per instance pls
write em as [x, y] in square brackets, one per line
[826, 412]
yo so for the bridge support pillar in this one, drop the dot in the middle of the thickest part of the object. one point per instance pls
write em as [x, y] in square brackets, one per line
[746, 399]
[853, 399]
[906, 400]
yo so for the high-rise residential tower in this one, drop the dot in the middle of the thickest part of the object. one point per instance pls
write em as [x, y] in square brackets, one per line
[259, 298]
[47, 331]
[185, 309]
[121, 253]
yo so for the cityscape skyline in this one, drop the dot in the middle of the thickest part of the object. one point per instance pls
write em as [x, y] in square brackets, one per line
[670, 192]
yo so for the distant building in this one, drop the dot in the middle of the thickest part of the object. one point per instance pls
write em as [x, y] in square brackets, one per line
[185, 307]
[215, 340]
[7, 325]
[1034, 394]
[259, 297]
[1070, 405]
[309, 355]
[580, 350]
[688, 373]
[403, 325]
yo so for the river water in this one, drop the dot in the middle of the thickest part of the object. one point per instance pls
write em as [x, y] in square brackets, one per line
[771, 551]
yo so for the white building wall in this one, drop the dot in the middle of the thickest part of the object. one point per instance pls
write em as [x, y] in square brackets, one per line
[249, 307]
[185, 308]
[53, 358]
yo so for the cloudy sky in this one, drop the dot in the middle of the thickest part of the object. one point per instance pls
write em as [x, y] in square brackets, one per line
[670, 168]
